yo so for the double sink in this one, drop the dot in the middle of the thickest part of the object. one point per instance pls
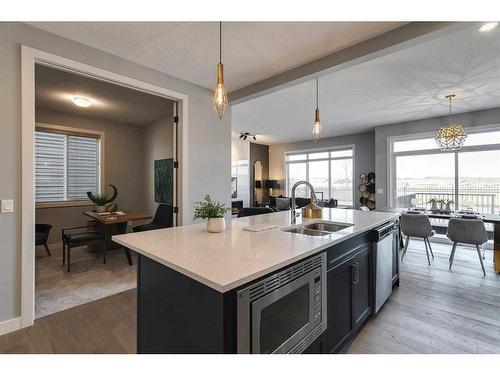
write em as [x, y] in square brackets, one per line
[320, 228]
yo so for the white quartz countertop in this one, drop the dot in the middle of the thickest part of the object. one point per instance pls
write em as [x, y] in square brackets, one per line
[226, 260]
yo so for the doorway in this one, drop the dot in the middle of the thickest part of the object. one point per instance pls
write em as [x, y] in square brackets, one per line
[31, 60]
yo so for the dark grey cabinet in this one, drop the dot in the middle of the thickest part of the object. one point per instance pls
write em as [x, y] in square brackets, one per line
[349, 296]
[339, 299]
[361, 287]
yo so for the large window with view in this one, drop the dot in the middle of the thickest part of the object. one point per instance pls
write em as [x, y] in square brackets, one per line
[330, 172]
[467, 179]
[67, 166]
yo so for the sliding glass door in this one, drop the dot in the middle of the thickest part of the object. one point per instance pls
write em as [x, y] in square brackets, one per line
[470, 177]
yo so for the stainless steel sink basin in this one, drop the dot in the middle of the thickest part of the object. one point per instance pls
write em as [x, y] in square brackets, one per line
[328, 226]
[306, 231]
[321, 228]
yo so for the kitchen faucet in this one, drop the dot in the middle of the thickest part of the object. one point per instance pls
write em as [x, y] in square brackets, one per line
[313, 197]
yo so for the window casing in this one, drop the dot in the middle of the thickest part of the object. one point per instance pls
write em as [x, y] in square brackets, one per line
[330, 171]
[470, 177]
[67, 165]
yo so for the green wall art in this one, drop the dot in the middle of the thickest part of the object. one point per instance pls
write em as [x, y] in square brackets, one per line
[164, 180]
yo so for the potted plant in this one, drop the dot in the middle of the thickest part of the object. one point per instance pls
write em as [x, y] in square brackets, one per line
[211, 211]
[447, 208]
[102, 200]
[434, 202]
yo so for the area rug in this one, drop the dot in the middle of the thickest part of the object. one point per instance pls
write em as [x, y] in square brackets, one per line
[89, 279]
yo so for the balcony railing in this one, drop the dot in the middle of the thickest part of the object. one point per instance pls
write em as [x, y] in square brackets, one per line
[480, 199]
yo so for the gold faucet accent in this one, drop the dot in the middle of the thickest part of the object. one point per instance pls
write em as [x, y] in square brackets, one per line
[312, 210]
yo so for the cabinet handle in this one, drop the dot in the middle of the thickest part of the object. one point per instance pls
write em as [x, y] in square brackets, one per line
[355, 273]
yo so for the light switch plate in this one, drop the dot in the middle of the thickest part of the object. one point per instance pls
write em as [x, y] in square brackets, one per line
[380, 191]
[7, 206]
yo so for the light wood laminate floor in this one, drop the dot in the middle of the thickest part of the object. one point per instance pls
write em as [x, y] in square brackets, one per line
[433, 311]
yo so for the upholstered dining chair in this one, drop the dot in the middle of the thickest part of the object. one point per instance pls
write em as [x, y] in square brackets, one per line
[419, 226]
[467, 231]
[163, 219]
[42, 235]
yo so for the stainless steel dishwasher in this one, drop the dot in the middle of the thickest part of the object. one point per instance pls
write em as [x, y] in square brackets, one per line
[383, 240]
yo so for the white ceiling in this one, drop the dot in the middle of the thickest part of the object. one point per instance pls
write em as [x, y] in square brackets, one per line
[406, 85]
[54, 88]
[252, 51]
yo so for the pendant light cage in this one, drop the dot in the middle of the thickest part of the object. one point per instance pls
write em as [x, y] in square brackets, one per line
[220, 100]
[450, 137]
[317, 131]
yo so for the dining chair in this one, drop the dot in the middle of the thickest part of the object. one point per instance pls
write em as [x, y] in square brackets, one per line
[419, 226]
[42, 232]
[467, 231]
[163, 219]
[81, 236]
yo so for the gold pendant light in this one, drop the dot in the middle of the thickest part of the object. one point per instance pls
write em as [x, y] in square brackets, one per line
[220, 94]
[317, 125]
[452, 136]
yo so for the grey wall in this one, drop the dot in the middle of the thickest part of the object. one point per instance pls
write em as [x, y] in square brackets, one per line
[158, 144]
[208, 138]
[259, 152]
[364, 148]
[470, 119]
[123, 167]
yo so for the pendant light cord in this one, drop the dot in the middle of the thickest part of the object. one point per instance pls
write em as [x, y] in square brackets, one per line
[220, 42]
[449, 111]
[317, 93]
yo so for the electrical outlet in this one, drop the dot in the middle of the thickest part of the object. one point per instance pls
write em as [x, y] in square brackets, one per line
[7, 206]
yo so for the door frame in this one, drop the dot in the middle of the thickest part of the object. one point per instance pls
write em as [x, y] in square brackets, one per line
[29, 57]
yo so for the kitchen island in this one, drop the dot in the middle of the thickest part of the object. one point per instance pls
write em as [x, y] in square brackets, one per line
[189, 280]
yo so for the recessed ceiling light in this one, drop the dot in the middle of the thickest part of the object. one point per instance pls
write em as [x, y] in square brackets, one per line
[82, 101]
[488, 26]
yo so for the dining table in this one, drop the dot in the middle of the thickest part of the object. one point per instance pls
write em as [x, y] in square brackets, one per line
[486, 218]
[112, 223]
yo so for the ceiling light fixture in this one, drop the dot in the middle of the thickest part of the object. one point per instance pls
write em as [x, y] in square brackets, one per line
[82, 101]
[317, 125]
[488, 26]
[220, 94]
[245, 135]
[452, 136]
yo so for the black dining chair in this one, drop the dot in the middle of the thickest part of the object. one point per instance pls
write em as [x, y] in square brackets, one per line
[81, 236]
[42, 232]
[163, 219]
[252, 211]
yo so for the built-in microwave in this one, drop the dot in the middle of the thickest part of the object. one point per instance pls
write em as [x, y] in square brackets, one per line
[286, 311]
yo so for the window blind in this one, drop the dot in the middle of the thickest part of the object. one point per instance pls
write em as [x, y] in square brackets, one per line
[66, 166]
[82, 167]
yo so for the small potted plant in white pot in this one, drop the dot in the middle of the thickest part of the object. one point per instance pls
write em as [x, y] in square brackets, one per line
[211, 211]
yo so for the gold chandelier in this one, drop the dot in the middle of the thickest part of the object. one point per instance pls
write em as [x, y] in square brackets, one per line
[317, 125]
[452, 136]
[220, 94]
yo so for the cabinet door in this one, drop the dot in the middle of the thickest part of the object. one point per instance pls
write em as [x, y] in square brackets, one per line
[362, 287]
[339, 301]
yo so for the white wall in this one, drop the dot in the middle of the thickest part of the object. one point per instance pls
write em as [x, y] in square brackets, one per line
[209, 139]
[470, 119]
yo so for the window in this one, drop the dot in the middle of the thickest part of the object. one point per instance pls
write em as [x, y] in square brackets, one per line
[67, 165]
[329, 171]
[470, 177]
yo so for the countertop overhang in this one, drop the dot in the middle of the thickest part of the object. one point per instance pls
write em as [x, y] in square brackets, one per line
[227, 260]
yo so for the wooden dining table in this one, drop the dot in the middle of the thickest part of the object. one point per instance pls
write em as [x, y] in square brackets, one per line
[115, 223]
[486, 218]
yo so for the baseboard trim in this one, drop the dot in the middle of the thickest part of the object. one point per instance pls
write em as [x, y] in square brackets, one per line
[10, 325]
